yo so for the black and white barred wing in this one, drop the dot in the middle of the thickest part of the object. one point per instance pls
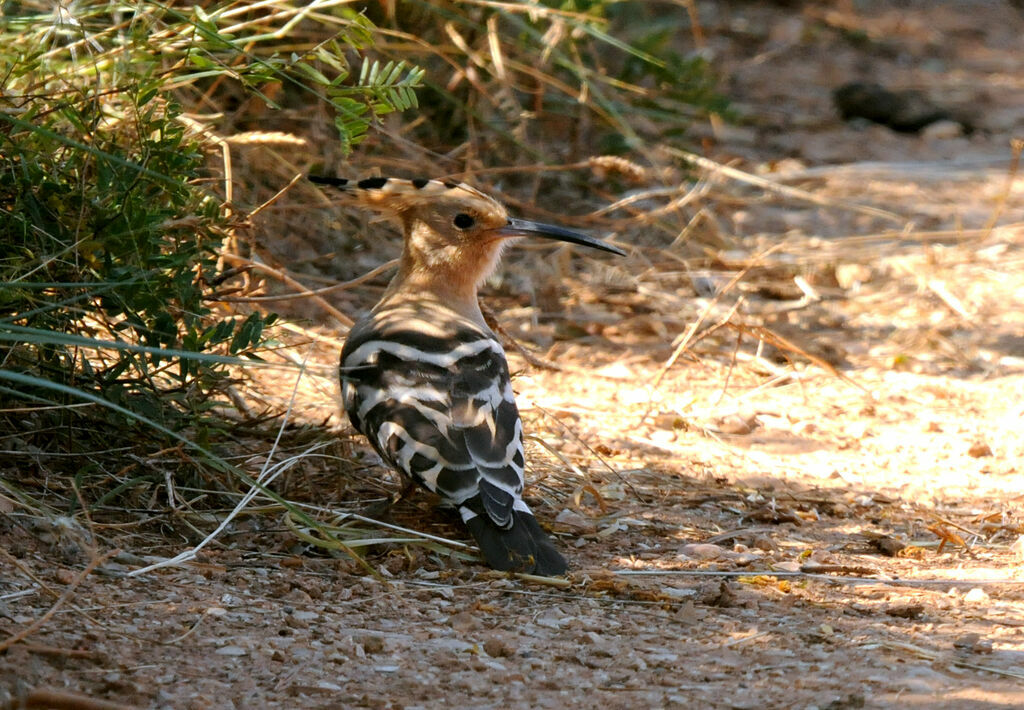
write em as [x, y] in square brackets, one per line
[484, 413]
[443, 413]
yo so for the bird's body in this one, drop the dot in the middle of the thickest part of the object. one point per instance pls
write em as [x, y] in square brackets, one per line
[425, 379]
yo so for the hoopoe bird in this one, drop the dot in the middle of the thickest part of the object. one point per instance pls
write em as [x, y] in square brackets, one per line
[425, 379]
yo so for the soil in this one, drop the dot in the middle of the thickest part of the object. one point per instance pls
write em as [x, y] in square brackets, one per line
[817, 504]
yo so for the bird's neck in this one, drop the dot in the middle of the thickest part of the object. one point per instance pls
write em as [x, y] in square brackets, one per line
[420, 286]
[449, 277]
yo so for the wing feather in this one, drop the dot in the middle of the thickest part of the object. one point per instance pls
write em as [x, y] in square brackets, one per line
[442, 411]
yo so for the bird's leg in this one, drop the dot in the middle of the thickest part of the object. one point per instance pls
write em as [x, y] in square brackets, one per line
[382, 508]
[409, 487]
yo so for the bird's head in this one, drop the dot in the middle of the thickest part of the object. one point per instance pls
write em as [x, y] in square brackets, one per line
[450, 229]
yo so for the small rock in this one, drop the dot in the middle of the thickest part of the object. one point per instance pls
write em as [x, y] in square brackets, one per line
[663, 436]
[688, 613]
[841, 510]
[464, 621]
[292, 562]
[721, 595]
[573, 521]
[702, 551]
[774, 514]
[745, 559]
[888, 546]
[804, 428]
[976, 596]
[677, 593]
[973, 643]
[851, 276]
[616, 370]
[979, 449]
[737, 424]
[1017, 548]
[906, 611]
[552, 621]
[859, 430]
[907, 111]
[231, 651]
[371, 643]
[294, 622]
[706, 284]
[298, 596]
[496, 648]
[736, 134]
[942, 130]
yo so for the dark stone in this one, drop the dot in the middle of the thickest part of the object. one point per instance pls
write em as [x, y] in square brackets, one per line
[906, 111]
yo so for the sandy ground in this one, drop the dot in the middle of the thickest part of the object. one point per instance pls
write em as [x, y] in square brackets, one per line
[833, 520]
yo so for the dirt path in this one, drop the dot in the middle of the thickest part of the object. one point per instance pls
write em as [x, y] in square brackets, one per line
[754, 530]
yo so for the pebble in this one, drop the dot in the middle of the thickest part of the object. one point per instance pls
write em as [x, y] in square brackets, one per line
[1017, 548]
[976, 596]
[702, 551]
[231, 651]
[371, 644]
[979, 449]
[942, 130]
[496, 648]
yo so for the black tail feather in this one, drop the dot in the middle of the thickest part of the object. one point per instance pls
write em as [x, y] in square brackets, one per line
[524, 547]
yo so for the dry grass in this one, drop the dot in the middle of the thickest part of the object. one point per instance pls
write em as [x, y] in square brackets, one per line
[758, 441]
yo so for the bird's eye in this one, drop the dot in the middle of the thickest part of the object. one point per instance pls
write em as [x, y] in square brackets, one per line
[464, 221]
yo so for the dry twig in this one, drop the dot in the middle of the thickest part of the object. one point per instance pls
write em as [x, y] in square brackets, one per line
[50, 699]
[282, 275]
[778, 188]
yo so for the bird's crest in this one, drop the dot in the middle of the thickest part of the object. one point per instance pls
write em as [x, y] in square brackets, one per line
[397, 194]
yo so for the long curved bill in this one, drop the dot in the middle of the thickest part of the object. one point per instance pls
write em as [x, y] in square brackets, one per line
[526, 228]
